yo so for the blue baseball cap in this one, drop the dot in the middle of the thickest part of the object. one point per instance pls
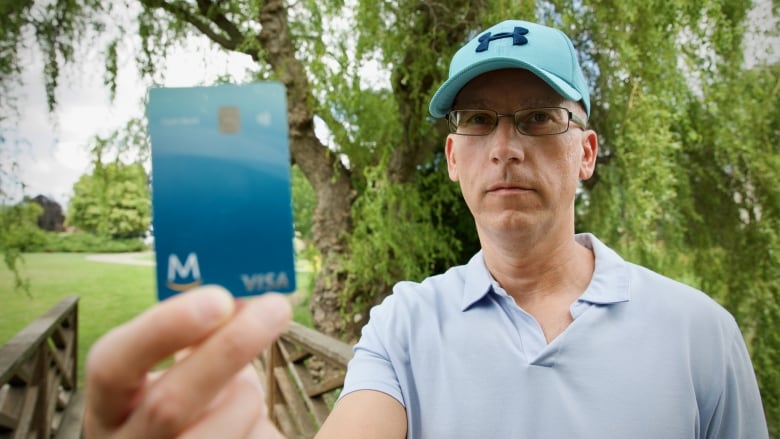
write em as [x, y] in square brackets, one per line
[513, 44]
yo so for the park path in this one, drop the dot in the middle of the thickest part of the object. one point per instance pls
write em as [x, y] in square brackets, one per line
[135, 258]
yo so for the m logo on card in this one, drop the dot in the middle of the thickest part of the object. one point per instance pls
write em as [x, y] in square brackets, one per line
[182, 277]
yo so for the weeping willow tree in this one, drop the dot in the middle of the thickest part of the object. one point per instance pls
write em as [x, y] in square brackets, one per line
[688, 180]
[687, 177]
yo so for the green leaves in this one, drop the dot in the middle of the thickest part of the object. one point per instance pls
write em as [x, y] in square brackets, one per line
[19, 232]
[400, 235]
[689, 174]
[112, 202]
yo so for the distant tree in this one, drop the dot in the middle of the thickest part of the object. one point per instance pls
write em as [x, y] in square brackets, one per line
[113, 201]
[18, 232]
[12, 221]
[51, 218]
[304, 200]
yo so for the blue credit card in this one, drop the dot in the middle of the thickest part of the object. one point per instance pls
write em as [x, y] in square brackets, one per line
[221, 201]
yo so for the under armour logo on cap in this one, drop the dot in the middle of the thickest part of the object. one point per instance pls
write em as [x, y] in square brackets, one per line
[518, 38]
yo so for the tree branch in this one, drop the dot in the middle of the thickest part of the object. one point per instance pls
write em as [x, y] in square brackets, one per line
[212, 11]
[183, 12]
[279, 53]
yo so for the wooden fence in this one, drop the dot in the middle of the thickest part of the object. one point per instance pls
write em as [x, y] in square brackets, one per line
[303, 371]
[38, 374]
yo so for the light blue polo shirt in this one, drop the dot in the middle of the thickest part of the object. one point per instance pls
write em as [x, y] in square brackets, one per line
[645, 357]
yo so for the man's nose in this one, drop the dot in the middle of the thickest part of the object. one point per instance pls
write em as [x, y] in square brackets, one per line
[506, 145]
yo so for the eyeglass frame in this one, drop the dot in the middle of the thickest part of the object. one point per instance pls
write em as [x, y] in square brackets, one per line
[571, 118]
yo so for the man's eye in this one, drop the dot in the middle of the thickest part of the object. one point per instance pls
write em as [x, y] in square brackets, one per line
[539, 117]
[480, 119]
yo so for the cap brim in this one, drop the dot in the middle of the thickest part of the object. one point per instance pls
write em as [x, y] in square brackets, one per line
[442, 100]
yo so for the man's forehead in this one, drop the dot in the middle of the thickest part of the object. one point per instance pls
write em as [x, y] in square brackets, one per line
[525, 102]
[521, 87]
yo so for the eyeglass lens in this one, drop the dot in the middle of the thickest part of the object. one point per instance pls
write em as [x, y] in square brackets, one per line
[531, 122]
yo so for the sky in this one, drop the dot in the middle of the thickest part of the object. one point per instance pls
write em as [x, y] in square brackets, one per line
[51, 149]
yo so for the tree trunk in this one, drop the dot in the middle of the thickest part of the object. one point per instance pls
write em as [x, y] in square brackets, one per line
[330, 179]
[332, 182]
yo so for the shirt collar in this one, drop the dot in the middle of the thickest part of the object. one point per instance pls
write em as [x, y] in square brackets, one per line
[478, 281]
[610, 283]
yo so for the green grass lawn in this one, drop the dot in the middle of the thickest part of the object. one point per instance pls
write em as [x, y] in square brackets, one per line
[110, 294]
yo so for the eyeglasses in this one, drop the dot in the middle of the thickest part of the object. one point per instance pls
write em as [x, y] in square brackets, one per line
[544, 121]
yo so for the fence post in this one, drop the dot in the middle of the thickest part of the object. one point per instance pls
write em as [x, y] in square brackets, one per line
[274, 359]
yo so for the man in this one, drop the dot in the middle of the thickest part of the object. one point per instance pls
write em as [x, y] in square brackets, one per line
[543, 334]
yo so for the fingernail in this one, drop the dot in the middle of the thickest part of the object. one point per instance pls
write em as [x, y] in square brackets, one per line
[214, 304]
[273, 309]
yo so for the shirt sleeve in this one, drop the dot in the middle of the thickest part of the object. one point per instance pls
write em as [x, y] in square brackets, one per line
[372, 366]
[739, 412]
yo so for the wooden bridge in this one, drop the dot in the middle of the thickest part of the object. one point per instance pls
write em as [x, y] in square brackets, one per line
[39, 395]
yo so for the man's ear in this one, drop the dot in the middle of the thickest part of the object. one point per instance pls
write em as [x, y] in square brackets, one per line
[590, 151]
[449, 151]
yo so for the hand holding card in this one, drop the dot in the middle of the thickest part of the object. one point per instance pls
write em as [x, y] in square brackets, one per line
[221, 198]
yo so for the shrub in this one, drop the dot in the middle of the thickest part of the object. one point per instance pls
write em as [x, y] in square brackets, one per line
[85, 243]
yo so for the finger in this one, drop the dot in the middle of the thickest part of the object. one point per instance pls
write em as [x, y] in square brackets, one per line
[184, 392]
[235, 411]
[155, 375]
[182, 354]
[118, 362]
[264, 429]
[186, 351]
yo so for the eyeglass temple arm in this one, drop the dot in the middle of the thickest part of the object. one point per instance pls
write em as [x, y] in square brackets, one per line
[577, 120]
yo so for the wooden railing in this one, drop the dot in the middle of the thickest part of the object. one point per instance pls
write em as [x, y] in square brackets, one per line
[38, 373]
[303, 371]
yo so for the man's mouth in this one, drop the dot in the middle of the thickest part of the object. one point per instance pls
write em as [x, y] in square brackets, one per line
[507, 188]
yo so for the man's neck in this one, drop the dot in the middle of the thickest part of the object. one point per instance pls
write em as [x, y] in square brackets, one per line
[544, 276]
[537, 270]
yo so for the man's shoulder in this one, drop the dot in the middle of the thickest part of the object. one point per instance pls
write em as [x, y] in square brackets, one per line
[454, 276]
[654, 295]
[645, 283]
[674, 300]
[435, 295]
[441, 287]
[644, 280]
